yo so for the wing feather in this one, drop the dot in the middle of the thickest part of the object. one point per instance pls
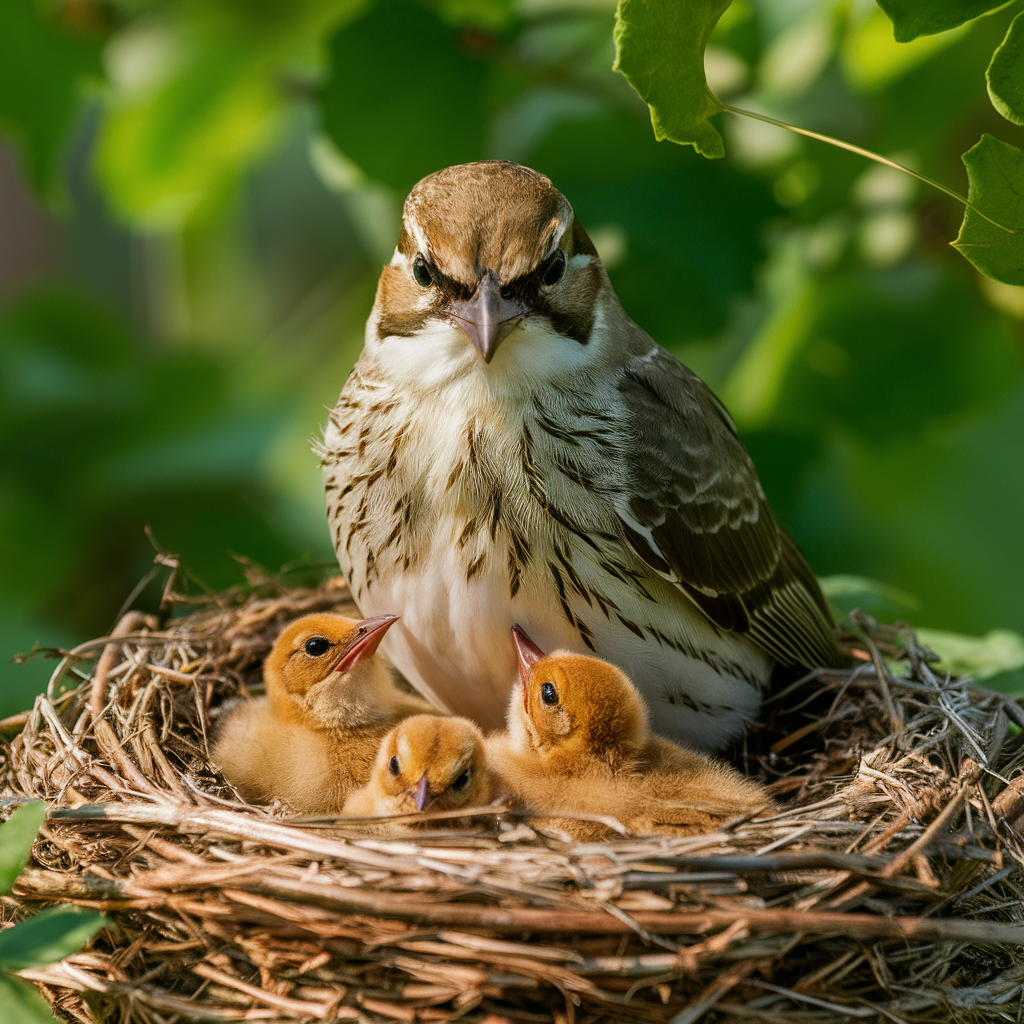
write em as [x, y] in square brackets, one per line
[695, 511]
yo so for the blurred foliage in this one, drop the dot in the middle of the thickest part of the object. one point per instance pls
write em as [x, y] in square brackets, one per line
[43, 57]
[660, 48]
[982, 657]
[224, 179]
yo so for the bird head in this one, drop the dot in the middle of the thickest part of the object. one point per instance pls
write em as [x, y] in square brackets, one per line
[323, 670]
[572, 706]
[491, 257]
[431, 763]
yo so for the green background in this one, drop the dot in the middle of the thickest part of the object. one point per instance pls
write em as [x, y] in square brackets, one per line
[196, 198]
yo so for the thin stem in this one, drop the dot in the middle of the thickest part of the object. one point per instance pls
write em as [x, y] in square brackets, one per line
[865, 153]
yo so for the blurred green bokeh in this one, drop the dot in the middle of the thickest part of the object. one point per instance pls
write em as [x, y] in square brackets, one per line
[196, 197]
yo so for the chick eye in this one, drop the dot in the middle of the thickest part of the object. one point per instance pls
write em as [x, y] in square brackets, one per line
[548, 694]
[393, 766]
[555, 268]
[421, 273]
[317, 645]
[463, 780]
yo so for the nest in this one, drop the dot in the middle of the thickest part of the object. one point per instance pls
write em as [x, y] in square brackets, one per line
[887, 886]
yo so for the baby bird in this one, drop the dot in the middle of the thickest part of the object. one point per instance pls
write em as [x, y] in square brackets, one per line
[578, 742]
[426, 763]
[330, 699]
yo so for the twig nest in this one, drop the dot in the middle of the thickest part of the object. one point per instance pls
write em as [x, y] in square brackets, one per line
[887, 886]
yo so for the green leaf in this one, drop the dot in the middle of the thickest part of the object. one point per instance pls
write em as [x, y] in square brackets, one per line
[17, 835]
[1005, 75]
[659, 47]
[860, 586]
[42, 63]
[995, 172]
[913, 18]
[50, 936]
[427, 111]
[981, 657]
[22, 1004]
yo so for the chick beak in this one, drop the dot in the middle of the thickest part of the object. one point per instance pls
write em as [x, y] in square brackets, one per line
[487, 317]
[422, 792]
[369, 634]
[528, 652]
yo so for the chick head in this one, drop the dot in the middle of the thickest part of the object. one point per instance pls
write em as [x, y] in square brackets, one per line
[428, 762]
[572, 706]
[324, 669]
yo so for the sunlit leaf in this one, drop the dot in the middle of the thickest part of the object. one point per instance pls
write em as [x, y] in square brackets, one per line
[913, 18]
[17, 835]
[427, 111]
[42, 63]
[980, 656]
[660, 49]
[51, 935]
[22, 1004]
[995, 172]
[1005, 74]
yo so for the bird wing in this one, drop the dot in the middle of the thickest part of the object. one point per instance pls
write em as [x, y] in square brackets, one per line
[694, 510]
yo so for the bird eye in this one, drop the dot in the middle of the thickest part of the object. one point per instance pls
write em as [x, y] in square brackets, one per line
[317, 645]
[393, 766]
[548, 694]
[463, 780]
[421, 273]
[554, 268]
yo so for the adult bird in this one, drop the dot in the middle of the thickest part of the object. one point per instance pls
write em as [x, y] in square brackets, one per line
[511, 448]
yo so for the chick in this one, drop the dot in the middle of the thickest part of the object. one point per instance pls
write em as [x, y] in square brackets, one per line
[330, 699]
[578, 742]
[426, 763]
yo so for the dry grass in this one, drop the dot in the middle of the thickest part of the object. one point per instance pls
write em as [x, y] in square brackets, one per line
[887, 888]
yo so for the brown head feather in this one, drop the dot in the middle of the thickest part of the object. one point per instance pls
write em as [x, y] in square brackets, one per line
[492, 218]
[492, 214]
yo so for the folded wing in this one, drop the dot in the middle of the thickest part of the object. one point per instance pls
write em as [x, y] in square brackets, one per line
[695, 512]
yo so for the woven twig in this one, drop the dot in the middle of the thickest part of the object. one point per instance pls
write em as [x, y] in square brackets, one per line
[887, 885]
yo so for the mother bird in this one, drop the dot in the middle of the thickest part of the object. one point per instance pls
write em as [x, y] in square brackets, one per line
[512, 448]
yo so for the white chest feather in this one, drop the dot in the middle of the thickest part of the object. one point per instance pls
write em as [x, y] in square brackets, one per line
[466, 506]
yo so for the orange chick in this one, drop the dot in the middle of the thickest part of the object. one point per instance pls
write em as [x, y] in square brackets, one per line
[426, 763]
[578, 743]
[314, 736]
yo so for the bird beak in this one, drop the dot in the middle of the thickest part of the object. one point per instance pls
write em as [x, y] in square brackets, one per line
[529, 653]
[369, 634]
[487, 317]
[422, 792]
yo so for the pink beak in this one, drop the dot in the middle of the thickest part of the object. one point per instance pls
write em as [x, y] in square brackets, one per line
[488, 316]
[529, 653]
[369, 634]
[422, 792]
